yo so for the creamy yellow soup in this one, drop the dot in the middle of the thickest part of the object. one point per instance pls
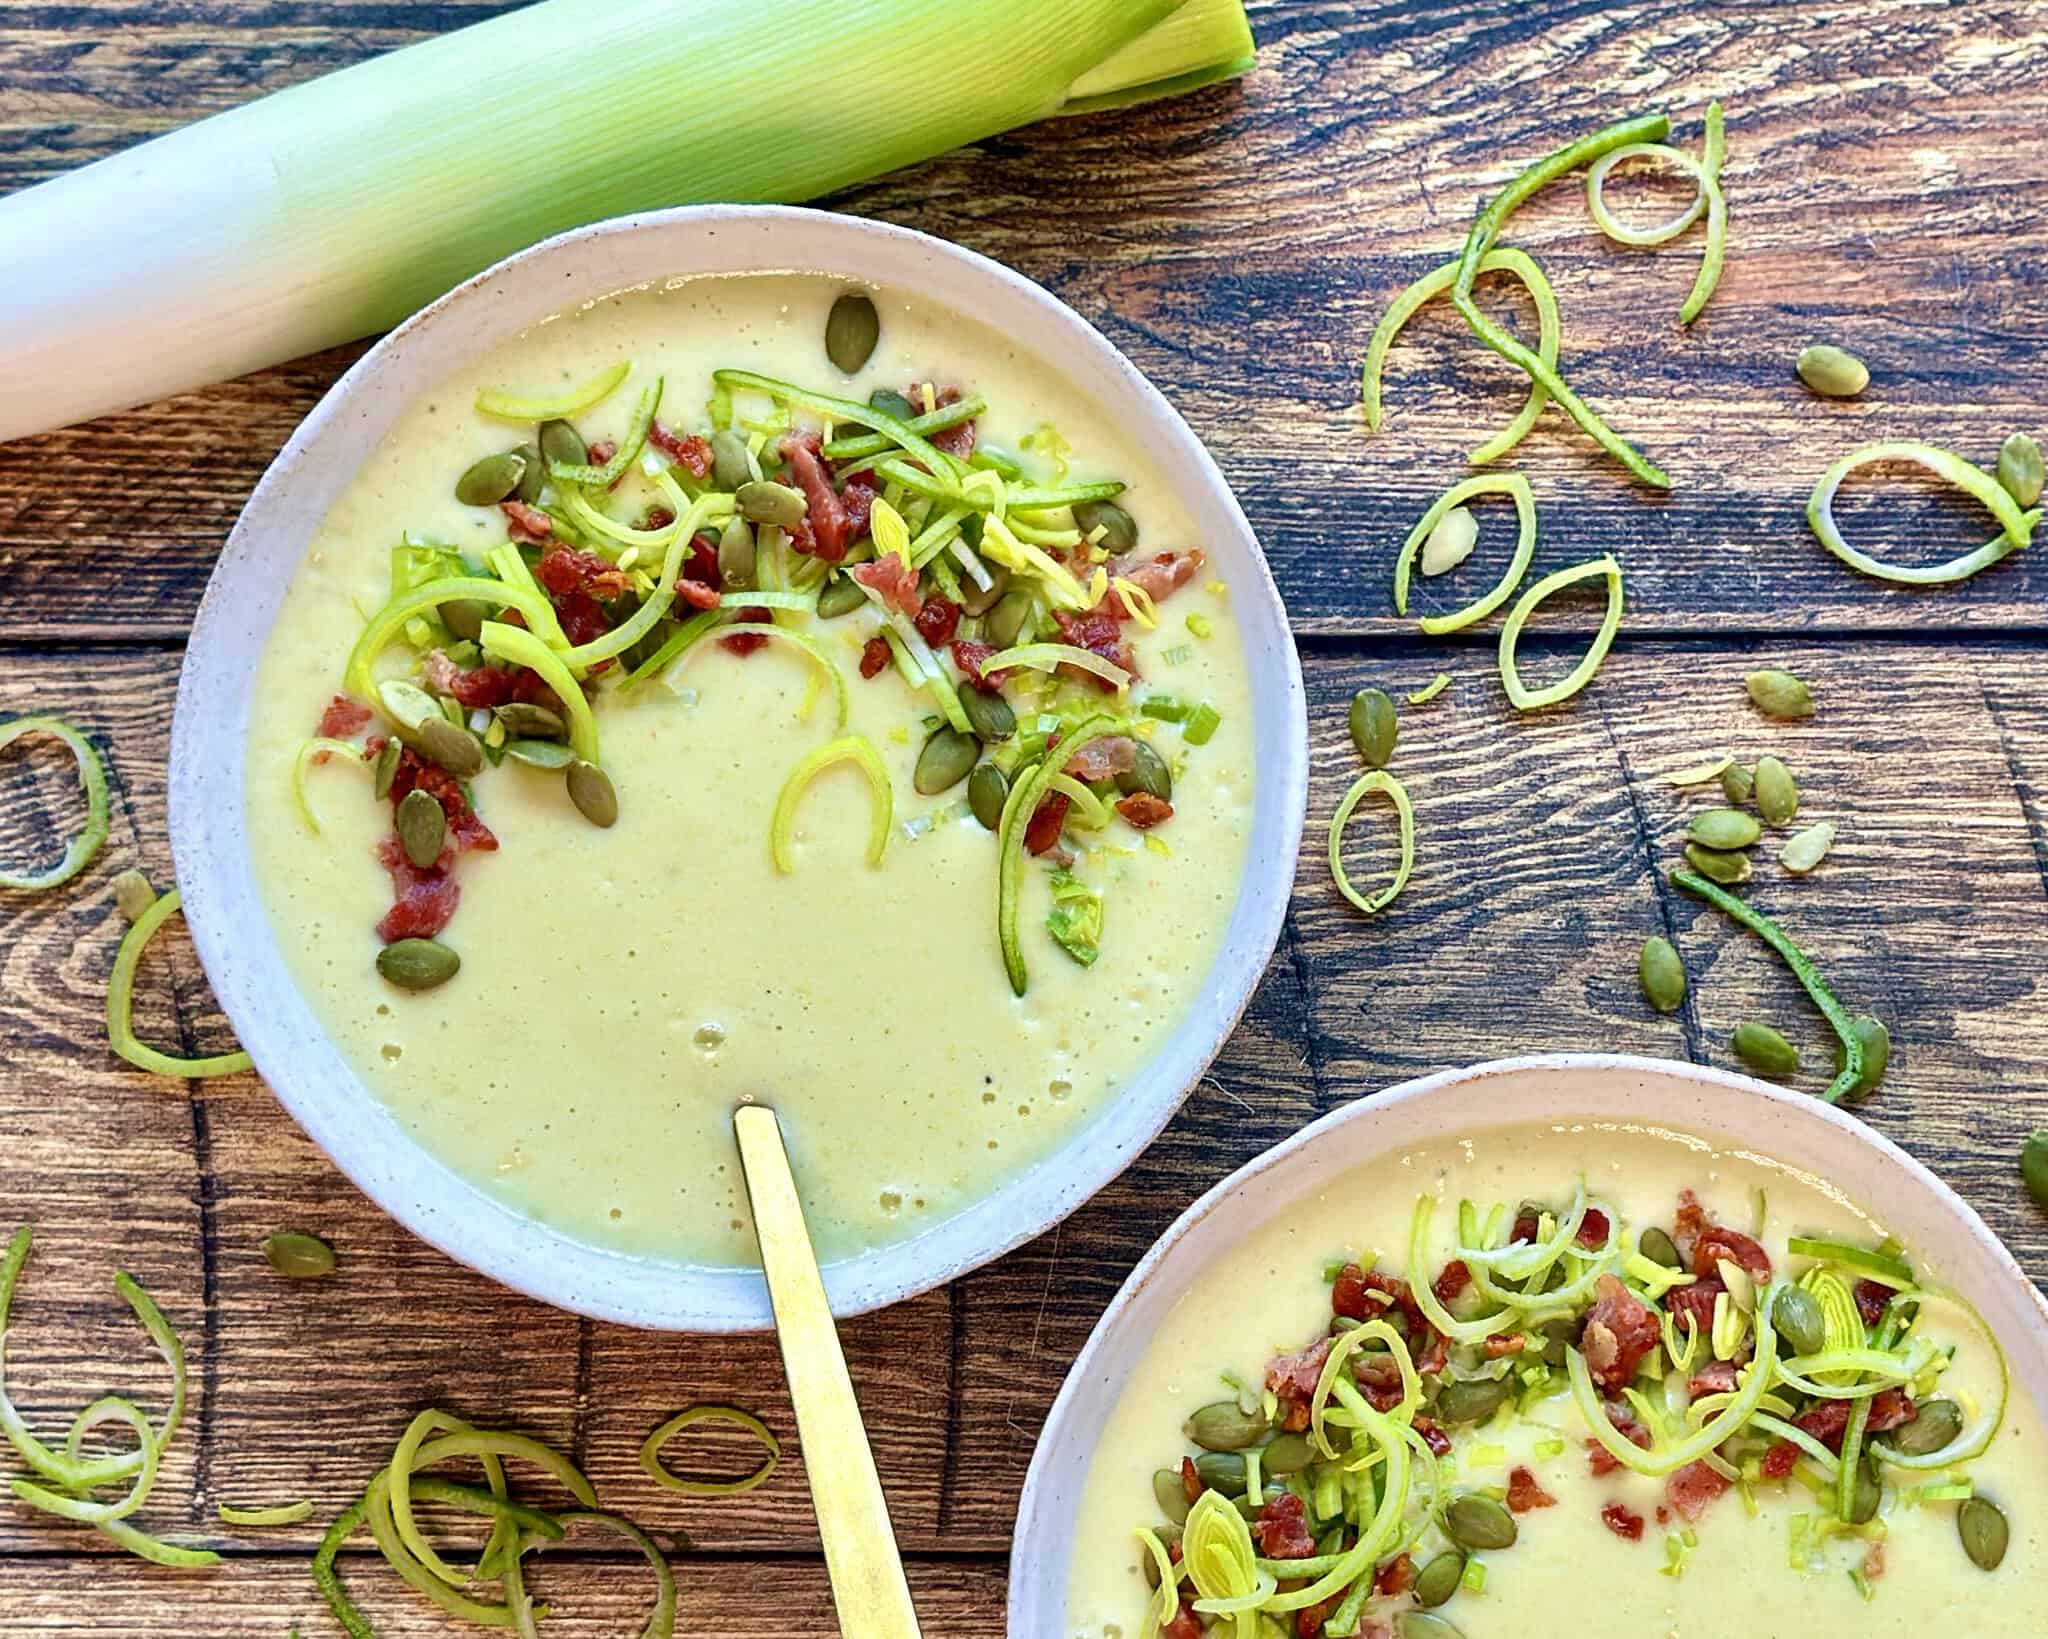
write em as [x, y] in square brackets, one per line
[1568, 1573]
[622, 990]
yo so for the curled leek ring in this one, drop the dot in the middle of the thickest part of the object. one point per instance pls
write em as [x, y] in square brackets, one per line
[851, 748]
[1644, 238]
[1373, 779]
[1512, 484]
[516, 407]
[1716, 253]
[1520, 694]
[662, 1475]
[2017, 526]
[92, 776]
[121, 1005]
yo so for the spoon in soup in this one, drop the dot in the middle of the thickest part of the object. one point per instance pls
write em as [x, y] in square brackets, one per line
[846, 1492]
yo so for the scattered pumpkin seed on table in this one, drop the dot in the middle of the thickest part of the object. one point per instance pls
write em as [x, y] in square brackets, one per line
[297, 1255]
[1728, 869]
[1765, 1051]
[132, 894]
[1662, 975]
[1699, 773]
[2034, 1167]
[1374, 726]
[1805, 850]
[1777, 794]
[1724, 828]
[1832, 372]
[1779, 694]
[1450, 543]
[2021, 470]
[1738, 782]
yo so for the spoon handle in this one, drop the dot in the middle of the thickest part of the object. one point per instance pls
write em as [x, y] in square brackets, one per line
[853, 1515]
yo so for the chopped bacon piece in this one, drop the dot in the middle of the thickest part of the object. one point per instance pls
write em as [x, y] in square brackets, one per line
[1527, 1225]
[857, 496]
[1395, 1577]
[692, 452]
[425, 900]
[483, 687]
[1722, 1243]
[1352, 1298]
[1828, 1421]
[1715, 1377]
[955, 441]
[465, 830]
[1524, 1493]
[1694, 1489]
[344, 718]
[582, 616]
[1292, 1378]
[1871, 1299]
[1620, 1331]
[1780, 1460]
[937, 621]
[1192, 1485]
[1873, 1561]
[874, 657]
[1594, 1228]
[702, 563]
[1602, 1461]
[562, 570]
[893, 581]
[829, 533]
[1099, 632]
[1432, 1350]
[1282, 1528]
[1309, 1620]
[1047, 823]
[1141, 810]
[1156, 574]
[602, 450]
[1623, 1522]
[748, 642]
[696, 594]
[1451, 1284]
[973, 659]
[1687, 1227]
[1433, 1436]
[526, 523]
[1185, 1624]
[1104, 759]
[658, 517]
[1380, 1376]
[1694, 1303]
[1498, 1348]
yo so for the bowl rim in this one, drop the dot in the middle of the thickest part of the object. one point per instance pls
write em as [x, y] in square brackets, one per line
[1042, 1509]
[208, 757]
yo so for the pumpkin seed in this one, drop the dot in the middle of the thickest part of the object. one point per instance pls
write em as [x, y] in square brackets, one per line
[841, 596]
[1716, 866]
[1288, 1454]
[990, 714]
[947, 759]
[422, 828]
[1662, 975]
[1222, 1471]
[1450, 543]
[1119, 528]
[590, 789]
[297, 1255]
[133, 895]
[387, 767]
[987, 789]
[736, 555]
[763, 502]
[418, 964]
[1374, 727]
[1439, 1579]
[1006, 620]
[851, 330]
[407, 704]
[489, 481]
[1469, 1402]
[1148, 773]
[1224, 1425]
[1738, 781]
[1724, 828]
[452, 748]
[1804, 851]
[1765, 1051]
[1981, 1525]
[1779, 694]
[891, 402]
[1424, 1625]
[1801, 1326]
[562, 445]
[2021, 469]
[1865, 1498]
[540, 753]
[1777, 793]
[1936, 1424]
[1832, 372]
[2034, 1166]
[1659, 1248]
[526, 721]
[1877, 1052]
[729, 467]
[1478, 1522]
[1171, 1495]
[464, 618]
[975, 600]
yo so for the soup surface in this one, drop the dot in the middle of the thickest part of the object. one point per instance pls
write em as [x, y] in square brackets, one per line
[1761, 1557]
[622, 989]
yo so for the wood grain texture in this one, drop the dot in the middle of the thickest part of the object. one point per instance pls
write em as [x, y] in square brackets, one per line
[1888, 183]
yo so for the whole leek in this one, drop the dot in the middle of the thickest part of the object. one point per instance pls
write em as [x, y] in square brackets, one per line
[333, 209]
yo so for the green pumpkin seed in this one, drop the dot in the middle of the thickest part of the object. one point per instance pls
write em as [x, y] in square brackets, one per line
[1934, 1426]
[1765, 1051]
[407, 704]
[1981, 1524]
[526, 721]
[1374, 726]
[1288, 1454]
[1450, 543]
[1469, 1402]
[841, 596]
[1727, 869]
[1659, 1248]
[987, 790]
[540, 753]
[1119, 528]
[1802, 1328]
[1171, 1495]
[729, 467]
[976, 600]
[422, 828]
[2034, 1167]
[1808, 848]
[590, 789]
[851, 330]
[1868, 1494]
[1439, 1579]
[1779, 694]
[737, 555]
[1148, 773]
[1662, 975]
[1479, 1523]
[418, 964]
[1224, 1425]
[297, 1255]
[561, 445]
[387, 767]
[763, 502]
[1832, 372]
[535, 478]
[1222, 1471]
[891, 402]
[1777, 793]
[1738, 781]
[1424, 1625]
[452, 748]
[947, 759]
[489, 481]
[464, 618]
[2021, 470]
[1006, 620]
[990, 714]
[1877, 1053]
[1724, 829]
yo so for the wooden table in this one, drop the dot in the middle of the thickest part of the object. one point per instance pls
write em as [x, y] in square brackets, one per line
[1888, 184]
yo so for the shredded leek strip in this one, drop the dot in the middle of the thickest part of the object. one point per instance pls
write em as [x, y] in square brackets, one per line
[541, 407]
[977, 571]
[1217, 1552]
[1165, 1605]
[1018, 809]
[415, 1575]
[936, 673]
[1791, 1432]
[1970, 1441]
[645, 618]
[1365, 1553]
[1091, 813]
[92, 777]
[679, 643]
[1031, 498]
[479, 1442]
[1432, 285]
[1433, 1310]
[1810, 1374]
[914, 676]
[920, 482]
[1512, 484]
[1875, 1265]
[661, 1620]
[1644, 238]
[938, 465]
[328, 1580]
[506, 563]
[809, 645]
[857, 446]
[799, 602]
[662, 1475]
[1715, 150]
[121, 1005]
[1049, 657]
[1520, 694]
[936, 536]
[1373, 779]
[522, 648]
[1430, 690]
[284, 1513]
[603, 477]
[1333, 1365]
[389, 621]
[850, 748]
[1646, 128]
[315, 747]
[112, 1408]
[158, 1552]
[427, 1422]
[1065, 539]
[647, 540]
[999, 543]
[2017, 526]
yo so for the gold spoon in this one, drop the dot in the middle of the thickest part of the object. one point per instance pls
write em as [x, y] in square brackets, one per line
[853, 1515]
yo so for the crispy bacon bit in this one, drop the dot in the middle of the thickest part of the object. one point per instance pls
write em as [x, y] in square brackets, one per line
[973, 659]
[1099, 632]
[658, 517]
[1499, 1347]
[1142, 810]
[829, 532]
[874, 657]
[1282, 1528]
[1721, 1243]
[1433, 1436]
[1104, 759]
[1871, 1298]
[483, 687]
[562, 570]
[1380, 1376]
[1779, 1461]
[1620, 1331]
[1694, 1489]
[1715, 1377]
[1829, 1420]
[1185, 1624]
[702, 563]
[955, 441]
[1687, 1227]
[748, 642]
[1622, 1522]
[937, 621]
[1395, 1577]
[1047, 823]
[692, 453]
[1433, 1351]
[1192, 1485]
[857, 496]
[1873, 1561]
[344, 718]
[893, 581]
[1292, 1378]
[425, 901]
[696, 594]
[1309, 1620]
[1694, 1303]
[1156, 574]
[1593, 1228]
[1600, 1459]
[466, 831]
[526, 523]
[1524, 1493]
[602, 450]
[1527, 1224]
[1451, 1284]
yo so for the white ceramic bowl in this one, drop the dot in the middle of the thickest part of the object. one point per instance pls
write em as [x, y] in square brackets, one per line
[1788, 1127]
[208, 744]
